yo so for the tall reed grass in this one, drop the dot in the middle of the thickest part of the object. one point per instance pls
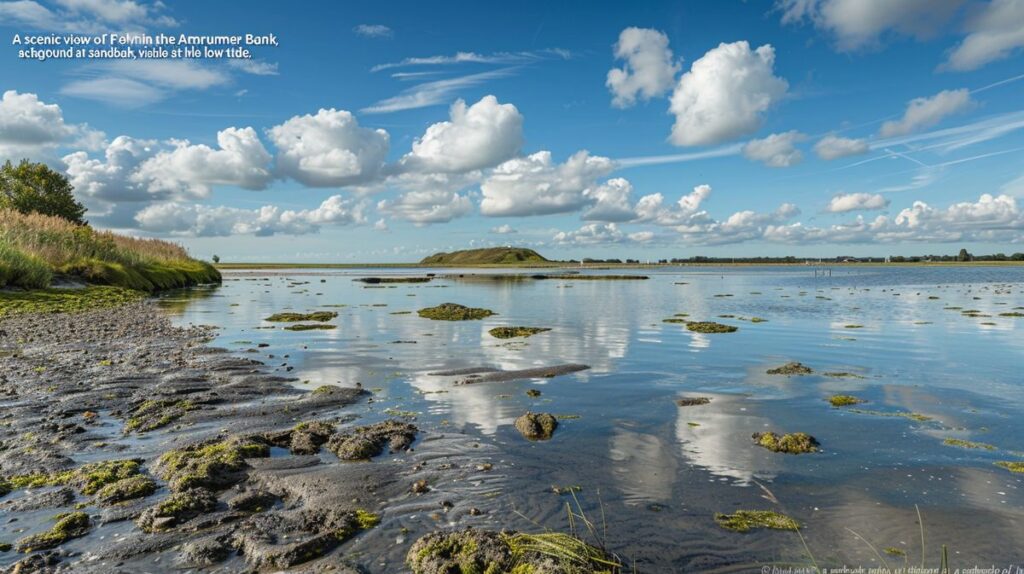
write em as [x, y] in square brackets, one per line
[35, 248]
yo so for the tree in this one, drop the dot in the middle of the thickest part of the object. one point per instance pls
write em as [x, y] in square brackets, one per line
[963, 256]
[35, 188]
[216, 258]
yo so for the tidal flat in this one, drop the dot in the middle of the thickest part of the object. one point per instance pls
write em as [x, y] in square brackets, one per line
[192, 432]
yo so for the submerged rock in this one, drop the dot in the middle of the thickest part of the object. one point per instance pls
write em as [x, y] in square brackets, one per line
[71, 525]
[321, 316]
[366, 442]
[746, 520]
[710, 327]
[792, 443]
[537, 426]
[454, 312]
[844, 400]
[310, 327]
[511, 332]
[177, 508]
[692, 401]
[791, 368]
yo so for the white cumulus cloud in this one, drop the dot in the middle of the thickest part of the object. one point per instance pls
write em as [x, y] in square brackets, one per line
[994, 34]
[329, 149]
[424, 207]
[29, 126]
[611, 201]
[927, 111]
[724, 94]
[649, 70]
[859, 23]
[834, 147]
[536, 185]
[845, 202]
[776, 150]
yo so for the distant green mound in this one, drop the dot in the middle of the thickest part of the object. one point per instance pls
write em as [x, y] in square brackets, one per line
[489, 256]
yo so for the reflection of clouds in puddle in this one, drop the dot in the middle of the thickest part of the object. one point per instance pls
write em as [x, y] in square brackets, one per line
[699, 341]
[475, 405]
[643, 465]
[721, 443]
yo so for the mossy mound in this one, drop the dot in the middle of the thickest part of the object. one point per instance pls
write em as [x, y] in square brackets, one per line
[747, 520]
[790, 443]
[66, 300]
[791, 368]
[537, 426]
[212, 464]
[68, 526]
[844, 400]
[321, 316]
[692, 401]
[1011, 466]
[88, 478]
[366, 442]
[488, 552]
[177, 508]
[155, 414]
[486, 256]
[305, 438]
[310, 327]
[138, 486]
[512, 332]
[710, 327]
[454, 312]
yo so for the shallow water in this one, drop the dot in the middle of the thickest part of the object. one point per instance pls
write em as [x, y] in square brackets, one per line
[657, 472]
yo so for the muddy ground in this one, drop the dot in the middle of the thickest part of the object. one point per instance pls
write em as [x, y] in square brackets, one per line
[264, 489]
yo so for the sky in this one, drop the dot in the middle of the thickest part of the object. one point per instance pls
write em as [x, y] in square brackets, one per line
[643, 130]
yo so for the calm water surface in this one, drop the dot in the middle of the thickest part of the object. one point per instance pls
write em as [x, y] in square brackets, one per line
[658, 473]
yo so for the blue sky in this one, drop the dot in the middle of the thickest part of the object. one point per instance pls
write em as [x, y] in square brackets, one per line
[646, 130]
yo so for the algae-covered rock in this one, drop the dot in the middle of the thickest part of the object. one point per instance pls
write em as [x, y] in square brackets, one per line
[961, 443]
[310, 327]
[710, 327]
[211, 464]
[177, 508]
[276, 541]
[138, 486]
[68, 526]
[791, 443]
[88, 478]
[1012, 466]
[844, 400]
[692, 401]
[366, 442]
[791, 368]
[511, 332]
[746, 520]
[537, 426]
[454, 312]
[321, 316]
[305, 438]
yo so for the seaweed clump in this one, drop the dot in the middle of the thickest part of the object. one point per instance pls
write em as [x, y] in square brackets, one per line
[511, 332]
[490, 552]
[321, 316]
[310, 327]
[791, 368]
[155, 414]
[746, 520]
[791, 443]
[844, 400]
[88, 478]
[710, 327]
[454, 312]
[692, 401]
[537, 426]
[177, 508]
[968, 444]
[68, 526]
[213, 464]
[1011, 465]
[366, 442]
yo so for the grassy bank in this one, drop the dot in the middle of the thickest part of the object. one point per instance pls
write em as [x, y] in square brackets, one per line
[35, 249]
[236, 266]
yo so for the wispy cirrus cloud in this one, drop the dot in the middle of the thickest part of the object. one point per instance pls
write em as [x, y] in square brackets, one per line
[434, 93]
[503, 58]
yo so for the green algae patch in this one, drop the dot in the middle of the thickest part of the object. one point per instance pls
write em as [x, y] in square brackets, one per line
[389, 280]
[679, 320]
[473, 551]
[454, 312]
[900, 414]
[842, 375]
[88, 478]
[1012, 314]
[214, 464]
[536, 426]
[68, 526]
[1011, 465]
[844, 400]
[710, 327]
[155, 414]
[853, 326]
[512, 332]
[138, 486]
[790, 369]
[747, 520]
[321, 316]
[791, 443]
[692, 401]
[533, 393]
[968, 444]
[310, 327]
[365, 442]
[893, 551]
[66, 300]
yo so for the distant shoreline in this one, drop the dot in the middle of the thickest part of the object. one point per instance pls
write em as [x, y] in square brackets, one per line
[596, 266]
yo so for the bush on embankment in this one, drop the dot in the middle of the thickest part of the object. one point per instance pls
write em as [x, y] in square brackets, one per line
[35, 248]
